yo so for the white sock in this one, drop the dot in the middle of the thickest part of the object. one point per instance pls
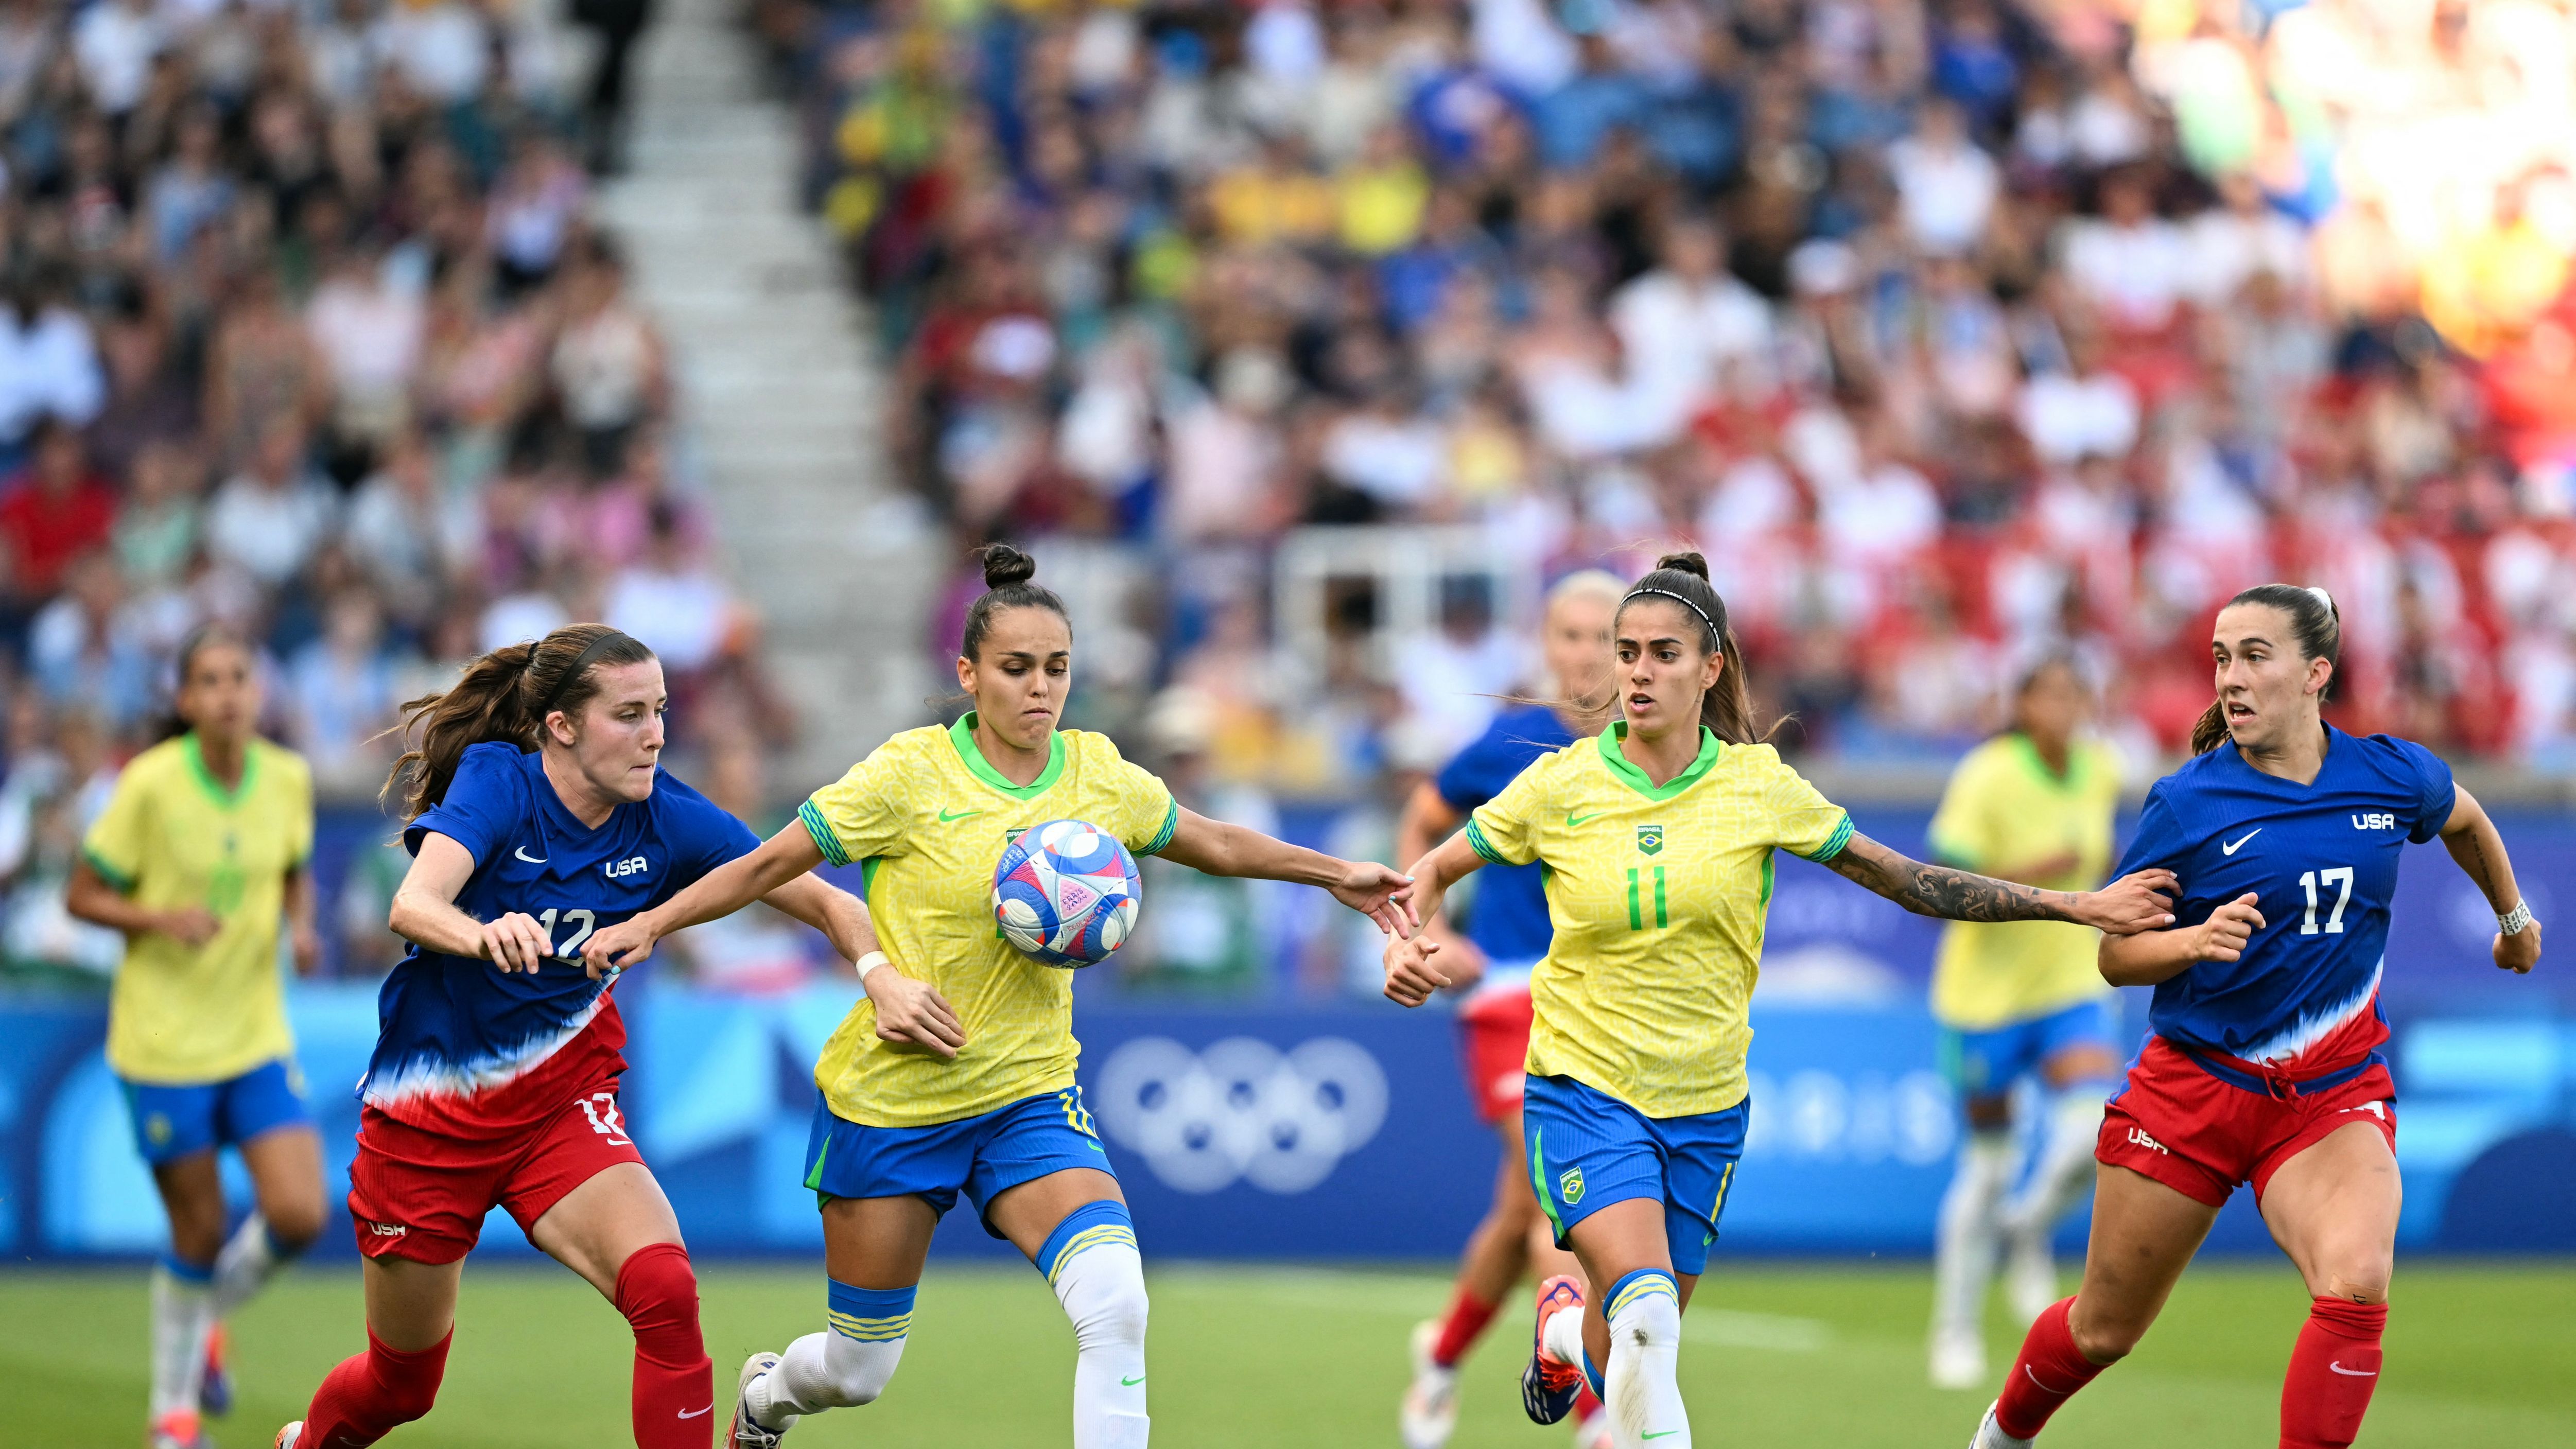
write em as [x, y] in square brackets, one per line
[1964, 1258]
[183, 1313]
[245, 1265]
[1102, 1288]
[2065, 1161]
[1642, 1380]
[821, 1371]
[1562, 1336]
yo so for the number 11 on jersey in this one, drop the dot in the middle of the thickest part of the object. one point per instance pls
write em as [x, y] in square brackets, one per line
[1636, 914]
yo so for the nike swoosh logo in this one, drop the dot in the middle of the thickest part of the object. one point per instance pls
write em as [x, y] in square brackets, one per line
[1572, 820]
[1131, 1383]
[2231, 847]
[947, 819]
[700, 1413]
[1660, 1434]
[2352, 1373]
[522, 853]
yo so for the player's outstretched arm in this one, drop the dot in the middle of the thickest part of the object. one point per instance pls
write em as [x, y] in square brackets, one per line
[2150, 958]
[1429, 819]
[2475, 843]
[425, 913]
[720, 892]
[1412, 971]
[2138, 902]
[1216, 848]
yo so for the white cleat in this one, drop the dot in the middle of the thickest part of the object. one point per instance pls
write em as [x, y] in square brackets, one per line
[1958, 1359]
[1430, 1413]
[2030, 1274]
[747, 1432]
[288, 1437]
[1990, 1435]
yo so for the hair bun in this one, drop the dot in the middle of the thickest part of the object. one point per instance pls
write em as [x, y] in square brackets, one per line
[1005, 565]
[1689, 563]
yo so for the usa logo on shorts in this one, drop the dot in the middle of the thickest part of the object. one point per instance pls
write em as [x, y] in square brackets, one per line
[1569, 1186]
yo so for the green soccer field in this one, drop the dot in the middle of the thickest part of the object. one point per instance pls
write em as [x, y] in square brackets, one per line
[2482, 1355]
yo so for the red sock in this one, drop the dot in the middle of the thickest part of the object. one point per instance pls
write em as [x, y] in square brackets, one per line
[2332, 1372]
[363, 1399]
[1586, 1404]
[1467, 1318]
[674, 1381]
[2047, 1374]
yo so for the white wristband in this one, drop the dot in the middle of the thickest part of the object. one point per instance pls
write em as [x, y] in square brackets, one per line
[870, 962]
[2511, 923]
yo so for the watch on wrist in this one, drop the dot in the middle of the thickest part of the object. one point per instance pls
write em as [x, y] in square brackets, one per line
[2511, 923]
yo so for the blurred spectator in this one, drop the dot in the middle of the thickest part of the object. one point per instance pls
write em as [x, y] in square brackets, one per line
[341, 689]
[269, 518]
[54, 510]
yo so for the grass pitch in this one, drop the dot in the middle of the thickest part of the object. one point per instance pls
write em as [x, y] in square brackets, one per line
[2482, 1355]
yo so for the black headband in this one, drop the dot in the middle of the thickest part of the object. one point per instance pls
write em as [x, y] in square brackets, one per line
[580, 662]
[1714, 632]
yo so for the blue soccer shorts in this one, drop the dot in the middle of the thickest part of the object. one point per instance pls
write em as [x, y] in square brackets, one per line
[1987, 1063]
[982, 1156]
[171, 1122]
[1588, 1149]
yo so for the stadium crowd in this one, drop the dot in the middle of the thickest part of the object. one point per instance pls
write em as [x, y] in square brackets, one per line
[1953, 332]
[307, 331]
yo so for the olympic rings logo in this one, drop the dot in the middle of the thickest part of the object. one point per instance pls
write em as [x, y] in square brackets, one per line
[1242, 1110]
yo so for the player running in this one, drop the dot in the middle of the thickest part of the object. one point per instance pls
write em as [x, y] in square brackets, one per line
[1507, 933]
[2264, 1065]
[538, 813]
[2034, 805]
[1657, 836]
[202, 851]
[924, 1099]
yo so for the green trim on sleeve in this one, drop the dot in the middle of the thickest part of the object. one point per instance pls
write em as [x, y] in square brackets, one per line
[1163, 837]
[826, 839]
[1476, 842]
[1834, 843]
[122, 883]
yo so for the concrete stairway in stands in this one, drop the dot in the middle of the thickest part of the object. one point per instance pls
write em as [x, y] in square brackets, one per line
[779, 391]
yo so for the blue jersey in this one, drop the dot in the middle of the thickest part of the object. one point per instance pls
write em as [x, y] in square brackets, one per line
[2303, 999]
[453, 1034]
[1509, 923]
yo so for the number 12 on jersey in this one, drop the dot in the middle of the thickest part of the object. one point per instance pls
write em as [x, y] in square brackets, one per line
[2309, 881]
[570, 946]
[1636, 913]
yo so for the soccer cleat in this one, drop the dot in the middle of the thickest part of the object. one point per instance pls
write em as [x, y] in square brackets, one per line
[1549, 1386]
[1430, 1412]
[215, 1388]
[289, 1437]
[1991, 1435]
[747, 1432]
[178, 1429]
[1958, 1358]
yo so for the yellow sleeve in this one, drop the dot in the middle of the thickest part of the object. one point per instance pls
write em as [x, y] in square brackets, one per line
[859, 816]
[1146, 814]
[1804, 822]
[1961, 832]
[1504, 830]
[117, 840]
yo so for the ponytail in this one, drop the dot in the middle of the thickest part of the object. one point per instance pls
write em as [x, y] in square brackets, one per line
[506, 696]
[2314, 622]
[1727, 708]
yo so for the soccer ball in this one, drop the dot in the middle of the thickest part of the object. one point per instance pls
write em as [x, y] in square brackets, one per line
[1066, 893]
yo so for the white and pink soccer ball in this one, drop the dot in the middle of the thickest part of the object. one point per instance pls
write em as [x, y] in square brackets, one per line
[1066, 893]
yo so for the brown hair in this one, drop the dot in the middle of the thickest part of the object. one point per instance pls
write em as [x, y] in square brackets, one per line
[1682, 578]
[2314, 622]
[212, 633]
[506, 695]
[1007, 573]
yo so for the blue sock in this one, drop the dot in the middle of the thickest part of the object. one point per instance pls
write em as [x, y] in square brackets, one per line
[871, 1315]
[1592, 1375]
[1087, 1226]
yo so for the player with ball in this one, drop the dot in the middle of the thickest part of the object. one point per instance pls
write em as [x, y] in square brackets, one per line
[956, 1074]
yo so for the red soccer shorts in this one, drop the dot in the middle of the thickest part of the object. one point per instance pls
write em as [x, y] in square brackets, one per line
[421, 1195]
[1493, 1046]
[2200, 1136]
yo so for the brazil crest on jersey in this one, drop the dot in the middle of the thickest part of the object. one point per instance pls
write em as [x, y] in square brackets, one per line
[1657, 896]
[2322, 860]
[453, 1034]
[927, 817]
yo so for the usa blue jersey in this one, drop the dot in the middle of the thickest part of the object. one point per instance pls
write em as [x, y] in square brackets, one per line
[1509, 922]
[453, 1032]
[2321, 858]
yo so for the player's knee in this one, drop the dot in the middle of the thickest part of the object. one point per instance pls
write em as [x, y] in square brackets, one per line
[858, 1372]
[658, 1293]
[2103, 1340]
[292, 1227]
[2361, 1280]
[406, 1385]
[1645, 1311]
[1109, 1307]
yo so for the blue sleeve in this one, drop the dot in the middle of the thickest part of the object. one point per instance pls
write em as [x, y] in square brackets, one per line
[1495, 759]
[2429, 779]
[2160, 839]
[485, 802]
[699, 835]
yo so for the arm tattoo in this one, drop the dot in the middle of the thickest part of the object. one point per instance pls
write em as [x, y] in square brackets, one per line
[1935, 890]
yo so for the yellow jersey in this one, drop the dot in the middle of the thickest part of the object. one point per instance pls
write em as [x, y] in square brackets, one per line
[172, 836]
[2005, 810]
[927, 817]
[1657, 895]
